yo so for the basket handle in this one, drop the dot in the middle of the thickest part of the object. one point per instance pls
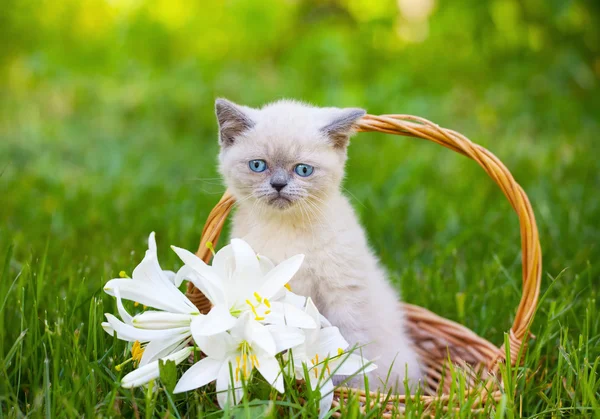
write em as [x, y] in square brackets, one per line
[412, 126]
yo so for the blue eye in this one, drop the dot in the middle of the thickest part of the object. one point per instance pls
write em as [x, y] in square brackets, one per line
[304, 170]
[257, 165]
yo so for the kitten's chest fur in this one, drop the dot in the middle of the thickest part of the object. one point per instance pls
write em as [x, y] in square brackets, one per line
[334, 245]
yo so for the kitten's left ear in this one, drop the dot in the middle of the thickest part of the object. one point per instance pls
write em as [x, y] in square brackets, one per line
[233, 120]
[341, 128]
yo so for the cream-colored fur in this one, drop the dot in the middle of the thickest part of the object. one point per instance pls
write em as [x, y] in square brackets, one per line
[340, 272]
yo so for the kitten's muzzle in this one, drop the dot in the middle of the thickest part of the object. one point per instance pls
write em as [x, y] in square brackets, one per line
[280, 201]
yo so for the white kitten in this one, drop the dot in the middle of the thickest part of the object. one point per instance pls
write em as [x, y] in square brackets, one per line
[284, 163]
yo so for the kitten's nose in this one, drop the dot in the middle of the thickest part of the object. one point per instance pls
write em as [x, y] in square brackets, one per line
[278, 185]
[279, 179]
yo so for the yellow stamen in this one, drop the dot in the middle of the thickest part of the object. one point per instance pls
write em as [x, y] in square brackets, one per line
[137, 351]
[136, 355]
[135, 304]
[268, 312]
[316, 373]
[258, 297]
[237, 368]
[120, 366]
[288, 287]
[252, 307]
[246, 374]
[259, 319]
[256, 360]
[267, 303]
[340, 351]
[210, 247]
[317, 358]
[123, 274]
[328, 370]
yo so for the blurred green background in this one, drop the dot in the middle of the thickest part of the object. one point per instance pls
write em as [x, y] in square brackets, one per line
[107, 132]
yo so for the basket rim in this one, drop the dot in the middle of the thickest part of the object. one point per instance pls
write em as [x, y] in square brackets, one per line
[531, 253]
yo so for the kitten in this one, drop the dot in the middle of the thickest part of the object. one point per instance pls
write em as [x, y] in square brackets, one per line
[284, 163]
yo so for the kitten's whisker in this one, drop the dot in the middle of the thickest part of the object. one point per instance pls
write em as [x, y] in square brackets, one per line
[311, 225]
[319, 216]
[212, 179]
[321, 202]
[354, 196]
[315, 207]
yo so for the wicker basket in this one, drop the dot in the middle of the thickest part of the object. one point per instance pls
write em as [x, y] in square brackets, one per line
[437, 339]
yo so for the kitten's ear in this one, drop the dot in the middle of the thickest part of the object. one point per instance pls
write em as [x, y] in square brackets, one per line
[233, 120]
[340, 129]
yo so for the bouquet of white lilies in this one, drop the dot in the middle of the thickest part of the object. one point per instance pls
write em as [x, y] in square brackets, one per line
[254, 317]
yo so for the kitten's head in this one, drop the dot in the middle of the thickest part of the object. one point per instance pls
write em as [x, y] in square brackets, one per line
[286, 155]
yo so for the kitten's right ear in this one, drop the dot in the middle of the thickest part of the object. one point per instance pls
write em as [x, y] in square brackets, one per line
[342, 125]
[233, 120]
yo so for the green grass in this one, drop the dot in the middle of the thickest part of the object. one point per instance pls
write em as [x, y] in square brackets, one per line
[107, 133]
[75, 212]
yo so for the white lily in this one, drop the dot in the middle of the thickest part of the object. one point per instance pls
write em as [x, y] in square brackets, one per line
[238, 282]
[232, 356]
[151, 371]
[323, 354]
[162, 332]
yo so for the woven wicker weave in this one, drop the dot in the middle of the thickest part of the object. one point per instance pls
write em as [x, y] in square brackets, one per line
[438, 339]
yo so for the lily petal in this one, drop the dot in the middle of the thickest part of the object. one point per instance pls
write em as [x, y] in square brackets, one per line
[280, 275]
[162, 320]
[326, 390]
[296, 300]
[183, 274]
[122, 312]
[152, 242]
[351, 364]
[218, 320]
[149, 269]
[207, 288]
[108, 328]
[215, 346]
[312, 310]
[156, 349]
[224, 262]
[157, 295]
[265, 264]
[246, 261]
[330, 340]
[227, 393]
[283, 313]
[285, 337]
[131, 333]
[151, 371]
[269, 368]
[170, 276]
[213, 282]
[324, 321]
[199, 374]
[261, 337]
